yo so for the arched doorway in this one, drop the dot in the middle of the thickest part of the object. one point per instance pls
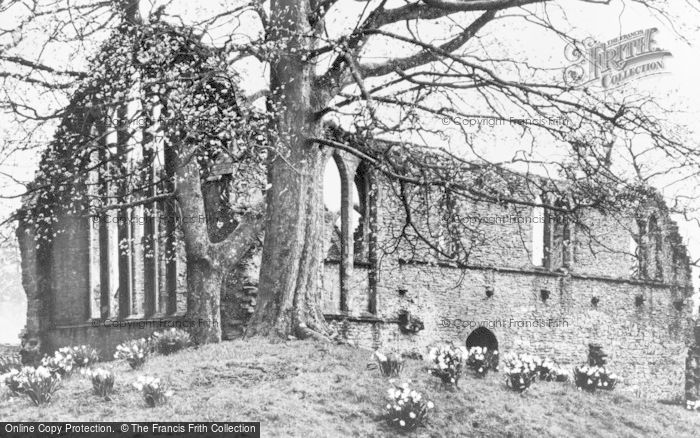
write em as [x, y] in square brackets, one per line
[483, 337]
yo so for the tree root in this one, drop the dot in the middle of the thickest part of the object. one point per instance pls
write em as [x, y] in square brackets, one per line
[304, 332]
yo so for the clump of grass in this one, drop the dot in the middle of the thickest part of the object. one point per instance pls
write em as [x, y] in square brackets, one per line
[84, 356]
[15, 378]
[61, 363]
[102, 381]
[171, 341]
[134, 352]
[40, 384]
[154, 392]
[549, 371]
[390, 364]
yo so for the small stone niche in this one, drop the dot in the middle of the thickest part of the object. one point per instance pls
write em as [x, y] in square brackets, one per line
[678, 304]
[544, 295]
[409, 323]
[596, 356]
[595, 301]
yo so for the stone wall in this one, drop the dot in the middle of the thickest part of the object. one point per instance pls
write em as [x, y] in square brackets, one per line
[646, 344]
[69, 271]
[643, 324]
[38, 311]
[238, 296]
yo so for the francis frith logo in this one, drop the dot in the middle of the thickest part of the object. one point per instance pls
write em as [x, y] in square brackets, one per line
[615, 62]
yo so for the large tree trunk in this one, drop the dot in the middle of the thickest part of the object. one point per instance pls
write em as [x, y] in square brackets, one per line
[288, 300]
[207, 262]
[204, 278]
[288, 296]
[204, 274]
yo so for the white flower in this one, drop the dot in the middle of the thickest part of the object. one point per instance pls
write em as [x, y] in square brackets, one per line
[402, 423]
[381, 357]
[43, 372]
[412, 414]
[430, 405]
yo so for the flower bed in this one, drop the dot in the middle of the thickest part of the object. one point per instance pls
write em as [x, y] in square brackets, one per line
[14, 379]
[549, 371]
[154, 392]
[591, 377]
[406, 409]
[40, 385]
[61, 363]
[171, 340]
[390, 364]
[520, 371]
[480, 360]
[102, 381]
[84, 356]
[447, 363]
[134, 352]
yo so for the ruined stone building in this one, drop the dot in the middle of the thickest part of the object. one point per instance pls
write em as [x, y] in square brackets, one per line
[533, 282]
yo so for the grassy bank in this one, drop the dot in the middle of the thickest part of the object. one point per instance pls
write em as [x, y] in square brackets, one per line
[307, 389]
